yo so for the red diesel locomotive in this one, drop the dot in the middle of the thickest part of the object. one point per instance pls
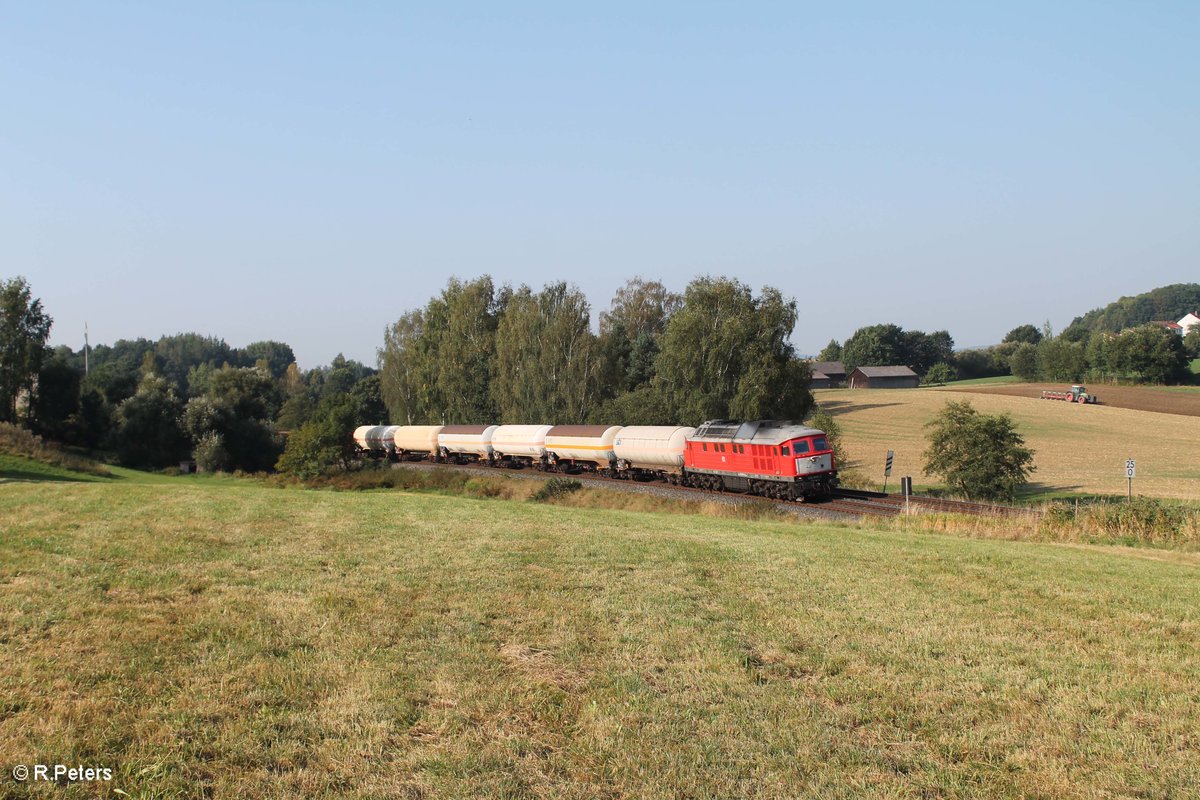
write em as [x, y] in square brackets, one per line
[766, 457]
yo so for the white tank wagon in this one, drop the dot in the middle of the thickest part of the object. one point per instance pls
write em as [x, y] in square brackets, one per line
[415, 442]
[375, 439]
[466, 442]
[649, 450]
[582, 446]
[518, 445]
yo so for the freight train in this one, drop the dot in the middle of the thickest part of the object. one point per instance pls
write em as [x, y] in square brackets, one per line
[771, 458]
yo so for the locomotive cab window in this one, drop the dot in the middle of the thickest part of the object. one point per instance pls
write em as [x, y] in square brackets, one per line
[783, 451]
[802, 447]
[820, 444]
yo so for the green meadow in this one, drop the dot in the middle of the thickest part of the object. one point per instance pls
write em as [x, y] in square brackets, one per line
[222, 638]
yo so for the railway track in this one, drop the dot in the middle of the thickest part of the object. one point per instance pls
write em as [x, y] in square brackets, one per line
[845, 502]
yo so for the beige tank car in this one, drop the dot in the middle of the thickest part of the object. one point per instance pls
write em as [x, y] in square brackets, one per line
[521, 441]
[652, 447]
[417, 439]
[468, 440]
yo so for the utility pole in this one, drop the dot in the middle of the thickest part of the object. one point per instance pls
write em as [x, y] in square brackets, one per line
[85, 349]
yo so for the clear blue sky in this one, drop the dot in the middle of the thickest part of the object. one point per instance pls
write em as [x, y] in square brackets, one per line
[307, 172]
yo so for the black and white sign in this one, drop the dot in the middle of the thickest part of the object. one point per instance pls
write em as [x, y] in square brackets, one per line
[1130, 468]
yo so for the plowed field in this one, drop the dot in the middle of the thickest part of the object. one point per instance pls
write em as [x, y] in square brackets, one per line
[1183, 400]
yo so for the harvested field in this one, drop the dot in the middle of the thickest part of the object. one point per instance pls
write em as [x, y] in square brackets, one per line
[1077, 448]
[1183, 400]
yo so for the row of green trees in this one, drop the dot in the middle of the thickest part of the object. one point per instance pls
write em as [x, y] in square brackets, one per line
[1143, 354]
[888, 345]
[477, 353]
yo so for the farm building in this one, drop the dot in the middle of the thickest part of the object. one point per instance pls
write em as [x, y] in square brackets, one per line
[827, 374]
[1188, 322]
[1173, 327]
[883, 378]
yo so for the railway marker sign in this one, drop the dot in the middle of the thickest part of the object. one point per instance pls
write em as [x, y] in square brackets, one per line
[887, 470]
[1130, 472]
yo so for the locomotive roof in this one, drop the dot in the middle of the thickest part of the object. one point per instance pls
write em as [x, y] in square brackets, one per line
[763, 431]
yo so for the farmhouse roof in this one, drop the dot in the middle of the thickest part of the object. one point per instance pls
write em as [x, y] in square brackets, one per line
[887, 372]
[827, 367]
[820, 376]
[1168, 324]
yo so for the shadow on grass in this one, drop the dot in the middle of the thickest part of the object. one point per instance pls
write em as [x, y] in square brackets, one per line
[835, 407]
[27, 476]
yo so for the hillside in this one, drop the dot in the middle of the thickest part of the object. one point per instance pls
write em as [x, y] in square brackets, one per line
[24, 456]
[1165, 303]
[1077, 448]
[231, 640]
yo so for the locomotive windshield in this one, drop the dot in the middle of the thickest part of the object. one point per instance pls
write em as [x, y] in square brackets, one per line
[819, 443]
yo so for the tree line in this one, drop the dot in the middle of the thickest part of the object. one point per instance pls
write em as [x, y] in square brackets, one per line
[155, 403]
[1143, 354]
[478, 353]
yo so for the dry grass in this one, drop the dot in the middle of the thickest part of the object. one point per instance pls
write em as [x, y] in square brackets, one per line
[1078, 448]
[22, 444]
[213, 639]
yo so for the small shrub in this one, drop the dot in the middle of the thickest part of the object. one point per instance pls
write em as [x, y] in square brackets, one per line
[211, 454]
[556, 488]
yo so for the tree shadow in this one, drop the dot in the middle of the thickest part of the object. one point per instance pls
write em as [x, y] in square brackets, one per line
[836, 407]
[26, 476]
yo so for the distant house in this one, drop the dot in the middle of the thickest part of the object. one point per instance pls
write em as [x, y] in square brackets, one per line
[883, 378]
[1188, 322]
[1173, 327]
[831, 373]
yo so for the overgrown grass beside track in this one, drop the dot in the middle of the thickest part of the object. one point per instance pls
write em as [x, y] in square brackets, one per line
[227, 639]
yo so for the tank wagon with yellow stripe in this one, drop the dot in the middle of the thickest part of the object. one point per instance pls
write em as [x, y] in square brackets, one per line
[583, 447]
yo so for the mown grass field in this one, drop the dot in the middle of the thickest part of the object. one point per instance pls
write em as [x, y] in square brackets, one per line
[1078, 448]
[225, 639]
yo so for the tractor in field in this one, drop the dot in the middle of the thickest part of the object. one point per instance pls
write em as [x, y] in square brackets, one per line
[1076, 394]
